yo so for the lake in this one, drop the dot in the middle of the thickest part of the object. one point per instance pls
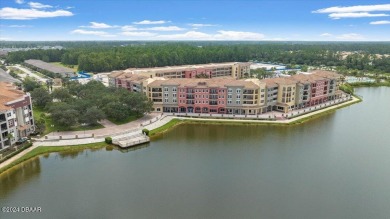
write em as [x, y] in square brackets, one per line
[335, 166]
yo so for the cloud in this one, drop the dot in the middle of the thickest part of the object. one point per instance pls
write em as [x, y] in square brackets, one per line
[167, 28]
[357, 11]
[350, 36]
[355, 15]
[326, 35]
[96, 25]
[190, 35]
[38, 5]
[29, 14]
[352, 9]
[138, 34]
[91, 32]
[129, 28]
[220, 35]
[19, 2]
[19, 26]
[202, 25]
[151, 22]
[379, 22]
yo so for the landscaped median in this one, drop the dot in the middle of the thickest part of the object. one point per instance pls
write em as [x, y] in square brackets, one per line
[47, 149]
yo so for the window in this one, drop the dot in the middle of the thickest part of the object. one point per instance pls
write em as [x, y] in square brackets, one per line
[8, 114]
[229, 96]
[165, 95]
[174, 100]
[174, 95]
[262, 90]
[174, 89]
[166, 100]
[238, 96]
[238, 90]
[165, 89]
[230, 90]
[229, 101]
[238, 101]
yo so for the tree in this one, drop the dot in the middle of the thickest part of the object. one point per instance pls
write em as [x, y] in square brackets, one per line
[40, 97]
[40, 125]
[64, 114]
[91, 116]
[116, 110]
[61, 94]
[304, 68]
[30, 84]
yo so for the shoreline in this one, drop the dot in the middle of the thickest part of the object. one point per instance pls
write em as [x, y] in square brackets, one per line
[174, 121]
[36, 151]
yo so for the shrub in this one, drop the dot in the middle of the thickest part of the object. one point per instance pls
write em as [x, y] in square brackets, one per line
[145, 131]
[108, 140]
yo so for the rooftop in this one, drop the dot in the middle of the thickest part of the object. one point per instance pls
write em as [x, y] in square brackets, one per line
[184, 67]
[8, 92]
[49, 67]
[204, 83]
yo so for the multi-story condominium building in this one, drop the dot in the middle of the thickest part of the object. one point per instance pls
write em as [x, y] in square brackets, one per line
[219, 95]
[231, 96]
[16, 116]
[231, 69]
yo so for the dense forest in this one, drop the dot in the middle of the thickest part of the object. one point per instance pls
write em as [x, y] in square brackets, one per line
[116, 55]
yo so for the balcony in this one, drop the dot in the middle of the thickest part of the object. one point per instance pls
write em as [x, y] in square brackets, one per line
[157, 95]
[248, 92]
[156, 89]
[190, 97]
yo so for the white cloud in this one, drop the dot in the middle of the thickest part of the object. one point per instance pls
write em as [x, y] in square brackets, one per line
[38, 5]
[352, 9]
[151, 22]
[220, 35]
[238, 35]
[167, 28]
[326, 35]
[355, 15]
[350, 36]
[19, 2]
[96, 25]
[29, 14]
[202, 25]
[138, 34]
[19, 26]
[379, 22]
[190, 35]
[129, 28]
[91, 32]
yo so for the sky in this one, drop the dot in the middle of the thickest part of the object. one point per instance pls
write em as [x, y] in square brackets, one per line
[253, 20]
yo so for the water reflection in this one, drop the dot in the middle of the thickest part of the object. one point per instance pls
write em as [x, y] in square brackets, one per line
[138, 147]
[19, 175]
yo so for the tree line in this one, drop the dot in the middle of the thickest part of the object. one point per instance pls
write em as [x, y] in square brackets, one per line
[103, 57]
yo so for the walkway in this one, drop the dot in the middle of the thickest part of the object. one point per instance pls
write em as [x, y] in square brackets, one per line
[21, 154]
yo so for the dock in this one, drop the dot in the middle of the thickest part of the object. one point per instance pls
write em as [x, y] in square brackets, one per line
[130, 140]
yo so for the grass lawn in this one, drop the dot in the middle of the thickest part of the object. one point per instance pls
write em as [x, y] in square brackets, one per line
[16, 70]
[129, 119]
[62, 65]
[45, 150]
[165, 127]
[51, 126]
